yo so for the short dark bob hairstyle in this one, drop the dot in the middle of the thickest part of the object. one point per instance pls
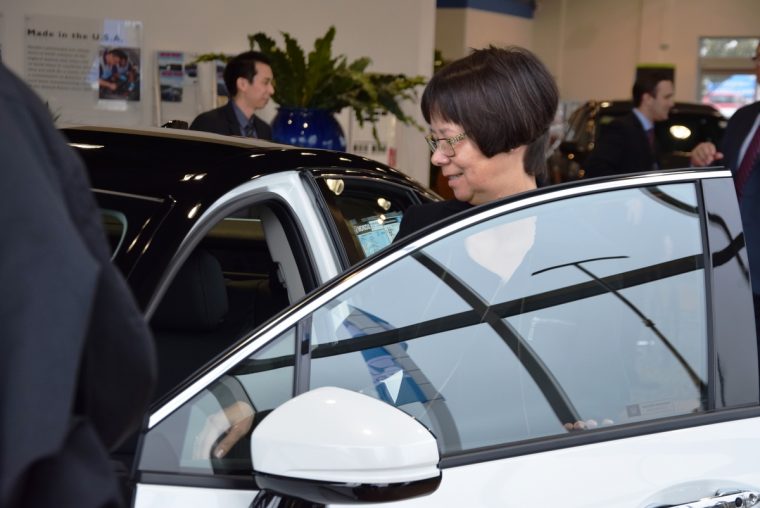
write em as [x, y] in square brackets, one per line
[242, 66]
[502, 97]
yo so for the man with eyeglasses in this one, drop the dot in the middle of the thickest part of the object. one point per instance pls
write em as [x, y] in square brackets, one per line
[740, 152]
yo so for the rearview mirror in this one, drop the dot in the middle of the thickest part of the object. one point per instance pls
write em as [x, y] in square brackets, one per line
[332, 445]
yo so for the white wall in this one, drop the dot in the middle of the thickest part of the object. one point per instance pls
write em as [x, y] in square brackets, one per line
[458, 30]
[396, 34]
[593, 46]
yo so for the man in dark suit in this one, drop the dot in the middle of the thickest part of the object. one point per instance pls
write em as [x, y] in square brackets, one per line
[740, 152]
[250, 84]
[627, 144]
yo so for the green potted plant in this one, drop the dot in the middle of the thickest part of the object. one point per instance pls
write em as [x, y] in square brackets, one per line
[311, 89]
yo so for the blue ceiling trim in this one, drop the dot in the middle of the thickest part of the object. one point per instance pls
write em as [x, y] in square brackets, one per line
[521, 8]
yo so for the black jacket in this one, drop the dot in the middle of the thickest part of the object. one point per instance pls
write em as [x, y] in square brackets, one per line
[222, 120]
[77, 364]
[623, 147]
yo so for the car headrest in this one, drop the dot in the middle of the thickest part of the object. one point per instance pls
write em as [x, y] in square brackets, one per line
[197, 297]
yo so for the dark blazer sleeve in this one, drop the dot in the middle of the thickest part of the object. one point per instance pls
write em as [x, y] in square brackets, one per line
[621, 148]
[736, 132]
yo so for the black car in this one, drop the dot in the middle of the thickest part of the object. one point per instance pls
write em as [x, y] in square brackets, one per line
[272, 221]
[687, 125]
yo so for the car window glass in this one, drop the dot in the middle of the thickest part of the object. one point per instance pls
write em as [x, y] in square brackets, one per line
[569, 316]
[210, 434]
[228, 285]
[115, 227]
[367, 213]
[129, 222]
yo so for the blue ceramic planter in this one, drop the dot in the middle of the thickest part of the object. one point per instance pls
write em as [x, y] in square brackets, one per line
[310, 128]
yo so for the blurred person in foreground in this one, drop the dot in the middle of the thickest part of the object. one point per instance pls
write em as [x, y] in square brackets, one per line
[77, 358]
[627, 145]
[250, 83]
[740, 152]
[489, 115]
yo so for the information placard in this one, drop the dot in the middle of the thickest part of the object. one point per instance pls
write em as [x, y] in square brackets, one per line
[83, 66]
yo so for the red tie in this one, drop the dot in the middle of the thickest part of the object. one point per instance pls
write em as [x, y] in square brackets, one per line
[650, 137]
[748, 162]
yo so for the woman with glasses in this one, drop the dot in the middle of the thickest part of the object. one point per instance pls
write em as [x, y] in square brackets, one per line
[489, 115]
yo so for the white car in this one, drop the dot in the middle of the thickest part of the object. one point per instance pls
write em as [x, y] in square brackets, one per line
[585, 345]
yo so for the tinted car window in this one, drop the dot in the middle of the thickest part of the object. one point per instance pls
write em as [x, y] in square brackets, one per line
[566, 317]
[130, 222]
[367, 214]
[115, 226]
[191, 440]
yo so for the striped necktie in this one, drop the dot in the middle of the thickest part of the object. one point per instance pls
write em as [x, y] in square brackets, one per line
[250, 129]
[748, 163]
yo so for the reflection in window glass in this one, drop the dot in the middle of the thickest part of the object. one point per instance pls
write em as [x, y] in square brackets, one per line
[565, 317]
[115, 226]
[210, 433]
[367, 213]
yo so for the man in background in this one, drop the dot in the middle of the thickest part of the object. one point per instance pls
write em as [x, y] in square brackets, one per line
[250, 84]
[77, 365]
[627, 145]
[740, 152]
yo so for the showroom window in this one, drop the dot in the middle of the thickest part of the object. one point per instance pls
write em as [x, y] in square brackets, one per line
[727, 77]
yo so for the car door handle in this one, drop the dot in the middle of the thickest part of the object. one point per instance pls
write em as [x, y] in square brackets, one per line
[721, 499]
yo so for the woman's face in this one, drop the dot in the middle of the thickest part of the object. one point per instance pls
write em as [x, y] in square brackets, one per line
[472, 176]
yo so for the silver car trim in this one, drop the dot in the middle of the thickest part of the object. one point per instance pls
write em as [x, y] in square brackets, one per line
[310, 304]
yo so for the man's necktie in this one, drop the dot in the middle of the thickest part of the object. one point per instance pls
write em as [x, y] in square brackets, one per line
[748, 163]
[250, 129]
[650, 138]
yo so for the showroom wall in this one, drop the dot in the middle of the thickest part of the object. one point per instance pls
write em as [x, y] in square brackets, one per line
[458, 29]
[396, 34]
[593, 46]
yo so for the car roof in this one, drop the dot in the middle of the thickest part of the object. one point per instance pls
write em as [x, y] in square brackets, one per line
[154, 161]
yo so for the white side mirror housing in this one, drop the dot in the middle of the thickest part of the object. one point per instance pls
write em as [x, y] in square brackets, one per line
[333, 445]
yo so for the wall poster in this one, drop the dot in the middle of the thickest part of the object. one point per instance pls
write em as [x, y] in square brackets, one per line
[84, 66]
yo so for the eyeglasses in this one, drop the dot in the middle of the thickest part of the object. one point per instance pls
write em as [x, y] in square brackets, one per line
[445, 145]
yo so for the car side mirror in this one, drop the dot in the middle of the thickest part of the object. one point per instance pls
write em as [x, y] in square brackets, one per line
[332, 445]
